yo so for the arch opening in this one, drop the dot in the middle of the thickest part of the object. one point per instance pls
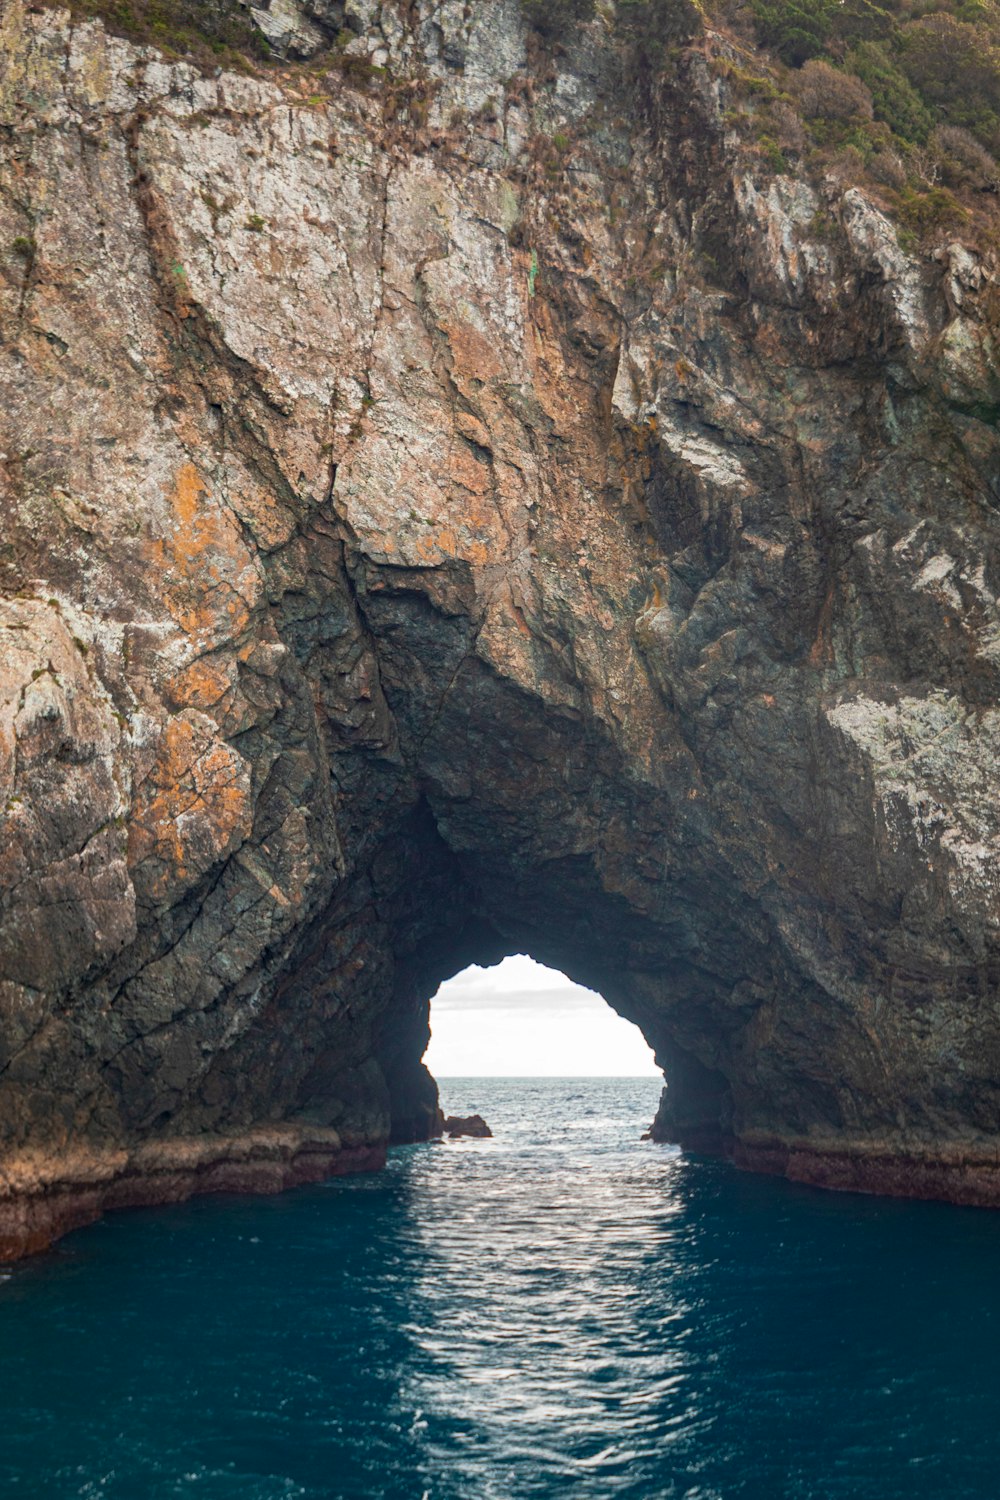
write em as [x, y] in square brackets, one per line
[453, 923]
[520, 1018]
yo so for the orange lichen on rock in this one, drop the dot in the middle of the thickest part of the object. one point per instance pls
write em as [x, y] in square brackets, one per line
[203, 684]
[192, 809]
[209, 579]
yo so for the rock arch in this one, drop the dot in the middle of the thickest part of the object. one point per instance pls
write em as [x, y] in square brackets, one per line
[416, 549]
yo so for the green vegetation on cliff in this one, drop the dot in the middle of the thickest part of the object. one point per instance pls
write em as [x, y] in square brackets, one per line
[923, 64]
[207, 31]
[902, 96]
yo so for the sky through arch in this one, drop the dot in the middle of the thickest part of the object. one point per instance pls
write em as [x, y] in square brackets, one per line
[519, 1019]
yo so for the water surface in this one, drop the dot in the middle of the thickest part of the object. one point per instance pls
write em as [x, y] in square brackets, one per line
[562, 1311]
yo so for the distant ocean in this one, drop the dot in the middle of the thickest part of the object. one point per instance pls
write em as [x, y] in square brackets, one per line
[563, 1311]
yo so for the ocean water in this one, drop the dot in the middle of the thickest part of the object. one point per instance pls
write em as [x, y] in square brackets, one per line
[562, 1311]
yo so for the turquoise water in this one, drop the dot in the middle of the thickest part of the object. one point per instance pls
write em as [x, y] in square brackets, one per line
[562, 1311]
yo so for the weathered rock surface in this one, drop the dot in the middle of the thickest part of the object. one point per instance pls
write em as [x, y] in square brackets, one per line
[479, 513]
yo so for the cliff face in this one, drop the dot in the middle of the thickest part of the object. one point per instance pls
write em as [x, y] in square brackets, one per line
[476, 512]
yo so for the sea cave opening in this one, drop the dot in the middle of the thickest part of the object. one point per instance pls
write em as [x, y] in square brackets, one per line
[520, 1018]
[482, 964]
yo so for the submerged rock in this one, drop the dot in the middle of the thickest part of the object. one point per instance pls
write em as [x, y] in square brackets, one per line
[477, 509]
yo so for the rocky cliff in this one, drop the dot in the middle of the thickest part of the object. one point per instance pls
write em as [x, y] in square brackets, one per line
[477, 508]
